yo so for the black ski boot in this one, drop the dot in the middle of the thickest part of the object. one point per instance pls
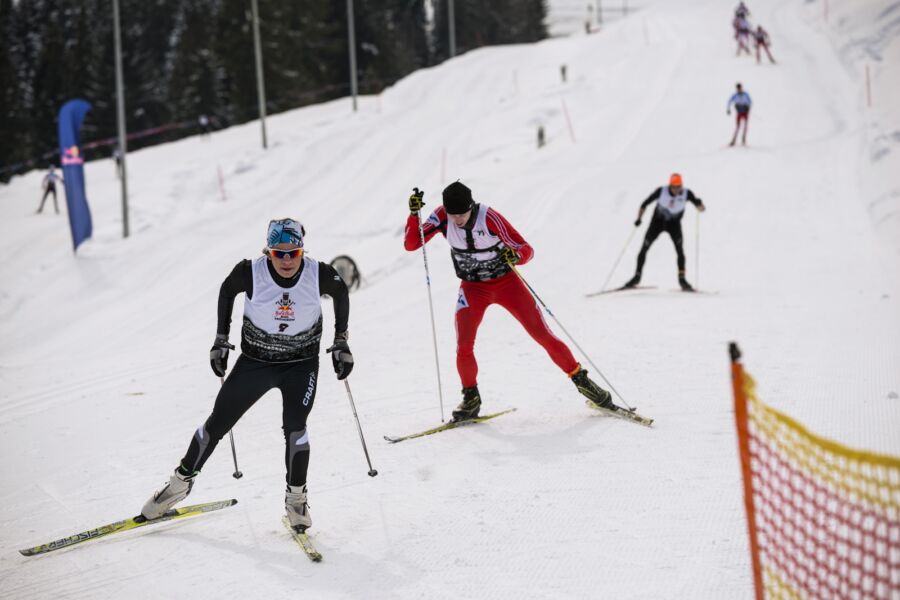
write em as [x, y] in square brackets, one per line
[469, 407]
[633, 282]
[685, 286]
[593, 392]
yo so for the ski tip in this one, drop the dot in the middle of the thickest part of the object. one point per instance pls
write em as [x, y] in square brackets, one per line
[390, 440]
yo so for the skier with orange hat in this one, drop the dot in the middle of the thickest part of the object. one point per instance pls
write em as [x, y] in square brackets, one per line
[670, 202]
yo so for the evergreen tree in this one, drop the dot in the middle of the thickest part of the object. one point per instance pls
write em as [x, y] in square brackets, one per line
[305, 47]
[487, 23]
[186, 59]
[195, 86]
[391, 41]
[234, 46]
[13, 149]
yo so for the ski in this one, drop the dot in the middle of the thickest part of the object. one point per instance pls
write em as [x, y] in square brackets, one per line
[622, 413]
[447, 426]
[127, 525]
[696, 291]
[303, 541]
[620, 289]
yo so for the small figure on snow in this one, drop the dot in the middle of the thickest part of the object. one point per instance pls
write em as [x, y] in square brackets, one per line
[742, 31]
[670, 202]
[117, 156]
[761, 39]
[279, 349]
[741, 101]
[485, 249]
[49, 185]
[204, 126]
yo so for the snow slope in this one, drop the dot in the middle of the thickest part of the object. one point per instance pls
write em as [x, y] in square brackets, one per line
[104, 375]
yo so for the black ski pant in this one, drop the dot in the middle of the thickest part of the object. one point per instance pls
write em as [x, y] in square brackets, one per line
[658, 225]
[50, 190]
[247, 382]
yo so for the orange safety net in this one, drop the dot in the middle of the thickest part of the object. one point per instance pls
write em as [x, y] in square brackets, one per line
[824, 519]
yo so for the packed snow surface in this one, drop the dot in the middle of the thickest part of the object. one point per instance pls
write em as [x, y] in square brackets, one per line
[104, 372]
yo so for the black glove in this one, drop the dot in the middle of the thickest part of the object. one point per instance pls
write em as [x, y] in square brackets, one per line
[415, 201]
[218, 354]
[509, 256]
[340, 356]
[637, 223]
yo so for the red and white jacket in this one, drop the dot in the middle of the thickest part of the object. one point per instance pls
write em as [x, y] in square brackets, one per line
[475, 247]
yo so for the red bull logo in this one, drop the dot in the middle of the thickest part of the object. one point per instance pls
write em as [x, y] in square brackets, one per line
[72, 156]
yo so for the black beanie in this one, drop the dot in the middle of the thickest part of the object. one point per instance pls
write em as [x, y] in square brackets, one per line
[457, 198]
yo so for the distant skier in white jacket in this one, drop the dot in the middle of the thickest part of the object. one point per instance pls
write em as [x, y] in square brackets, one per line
[49, 183]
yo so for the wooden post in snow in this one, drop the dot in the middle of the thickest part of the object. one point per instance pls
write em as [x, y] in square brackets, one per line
[868, 87]
[568, 120]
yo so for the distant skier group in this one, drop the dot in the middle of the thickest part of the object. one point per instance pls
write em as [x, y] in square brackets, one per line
[740, 100]
[744, 32]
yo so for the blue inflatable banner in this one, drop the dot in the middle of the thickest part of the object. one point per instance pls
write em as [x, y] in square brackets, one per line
[70, 117]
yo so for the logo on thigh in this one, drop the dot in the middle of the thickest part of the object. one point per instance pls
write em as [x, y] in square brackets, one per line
[461, 301]
[310, 389]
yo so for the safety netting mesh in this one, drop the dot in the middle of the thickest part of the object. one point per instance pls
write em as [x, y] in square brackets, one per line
[825, 518]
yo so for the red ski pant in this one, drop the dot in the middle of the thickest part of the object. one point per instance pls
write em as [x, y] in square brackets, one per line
[509, 292]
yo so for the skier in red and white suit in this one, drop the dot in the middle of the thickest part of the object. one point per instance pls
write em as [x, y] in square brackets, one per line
[485, 248]
[762, 40]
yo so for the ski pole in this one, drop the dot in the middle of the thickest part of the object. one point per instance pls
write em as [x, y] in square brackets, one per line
[437, 364]
[237, 472]
[697, 252]
[569, 335]
[372, 472]
[616, 264]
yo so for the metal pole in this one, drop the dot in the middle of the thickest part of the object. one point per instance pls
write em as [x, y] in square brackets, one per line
[120, 114]
[437, 362]
[616, 264]
[372, 472]
[451, 23]
[260, 84]
[237, 472]
[569, 335]
[697, 252]
[351, 40]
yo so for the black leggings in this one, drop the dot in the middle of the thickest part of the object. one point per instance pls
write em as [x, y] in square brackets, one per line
[51, 189]
[247, 382]
[657, 226]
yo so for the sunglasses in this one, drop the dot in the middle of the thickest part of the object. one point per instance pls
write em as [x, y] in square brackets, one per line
[292, 253]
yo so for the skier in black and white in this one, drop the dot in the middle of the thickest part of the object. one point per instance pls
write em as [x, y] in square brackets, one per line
[670, 202]
[280, 336]
[49, 182]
